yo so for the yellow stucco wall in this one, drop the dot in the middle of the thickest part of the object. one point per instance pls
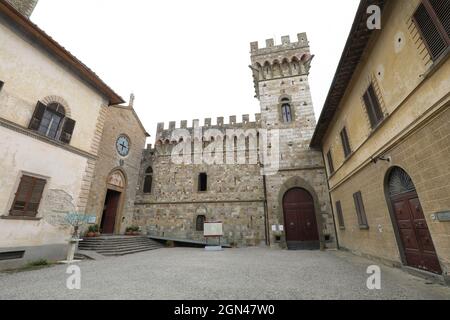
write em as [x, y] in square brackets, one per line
[414, 97]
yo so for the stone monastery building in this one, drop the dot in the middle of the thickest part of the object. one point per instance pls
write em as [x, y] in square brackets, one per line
[379, 151]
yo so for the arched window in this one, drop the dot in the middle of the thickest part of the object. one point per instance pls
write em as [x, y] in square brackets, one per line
[148, 180]
[51, 121]
[200, 223]
[286, 111]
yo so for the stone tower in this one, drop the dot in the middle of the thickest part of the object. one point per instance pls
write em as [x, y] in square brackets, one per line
[25, 7]
[280, 73]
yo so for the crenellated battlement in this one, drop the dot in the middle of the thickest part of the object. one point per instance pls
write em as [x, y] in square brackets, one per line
[286, 44]
[163, 132]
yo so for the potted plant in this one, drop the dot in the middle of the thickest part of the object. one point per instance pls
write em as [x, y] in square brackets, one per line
[132, 231]
[93, 231]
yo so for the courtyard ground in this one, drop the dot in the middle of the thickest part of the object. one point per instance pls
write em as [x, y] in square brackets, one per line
[251, 273]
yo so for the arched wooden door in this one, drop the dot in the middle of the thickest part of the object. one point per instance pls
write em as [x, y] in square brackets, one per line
[411, 224]
[300, 220]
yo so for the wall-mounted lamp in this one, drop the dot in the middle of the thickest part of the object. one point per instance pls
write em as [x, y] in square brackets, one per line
[381, 158]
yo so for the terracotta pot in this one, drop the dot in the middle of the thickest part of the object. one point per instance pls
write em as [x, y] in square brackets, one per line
[135, 233]
[91, 235]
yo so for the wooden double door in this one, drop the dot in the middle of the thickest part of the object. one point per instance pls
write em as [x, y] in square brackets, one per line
[111, 207]
[300, 220]
[413, 230]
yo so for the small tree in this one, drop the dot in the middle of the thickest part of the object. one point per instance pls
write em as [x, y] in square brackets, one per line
[76, 221]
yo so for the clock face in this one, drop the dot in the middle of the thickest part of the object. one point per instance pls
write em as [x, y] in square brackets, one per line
[123, 146]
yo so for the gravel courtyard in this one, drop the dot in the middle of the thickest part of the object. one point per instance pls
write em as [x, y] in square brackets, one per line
[253, 273]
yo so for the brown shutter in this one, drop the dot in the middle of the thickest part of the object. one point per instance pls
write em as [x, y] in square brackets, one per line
[37, 116]
[373, 107]
[345, 142]
[360, 211]
[442, 11]
[28, 197]
[431, 29]
[340, 215]
[330, 162]
[67, 130]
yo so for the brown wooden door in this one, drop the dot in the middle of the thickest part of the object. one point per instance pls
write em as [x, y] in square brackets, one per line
[110, 212]
[416, 238]
[300, 220]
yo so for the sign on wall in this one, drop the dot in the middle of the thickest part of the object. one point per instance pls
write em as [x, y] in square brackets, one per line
[213, 229]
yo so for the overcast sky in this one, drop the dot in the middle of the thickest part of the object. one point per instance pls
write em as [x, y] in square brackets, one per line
[189, 60]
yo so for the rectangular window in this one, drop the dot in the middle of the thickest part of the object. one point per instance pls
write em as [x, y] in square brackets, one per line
[432, 18]
[202, 182]
[373, 107]
[345, 142]
[360, 211]
[340, 216]
[330, 162]
[28, 197]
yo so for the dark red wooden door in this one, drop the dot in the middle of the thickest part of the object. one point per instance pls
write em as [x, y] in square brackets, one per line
[416, 238]
[299, 217]
[111, 207]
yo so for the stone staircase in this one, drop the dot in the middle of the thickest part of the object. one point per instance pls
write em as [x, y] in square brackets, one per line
[118, 245]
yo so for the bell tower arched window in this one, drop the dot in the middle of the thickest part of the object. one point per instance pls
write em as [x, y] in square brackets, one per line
[148, 180]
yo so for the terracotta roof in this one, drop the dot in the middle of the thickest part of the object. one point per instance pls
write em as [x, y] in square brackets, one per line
[354, 48]
[54, 48]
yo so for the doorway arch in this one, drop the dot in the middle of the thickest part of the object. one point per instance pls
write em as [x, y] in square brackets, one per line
[300, 220]
[113, 204]
[413, 236]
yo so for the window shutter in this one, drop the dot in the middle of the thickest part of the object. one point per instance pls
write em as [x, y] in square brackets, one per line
[330, 162]
[360, 211]
[340, 215]
[37, 116]
[373, 107]
[442, 10]
[345, 142]
[28, 197]
[429, 29]
[67, 130]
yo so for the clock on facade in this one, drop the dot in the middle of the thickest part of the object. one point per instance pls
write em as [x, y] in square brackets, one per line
[123, 145]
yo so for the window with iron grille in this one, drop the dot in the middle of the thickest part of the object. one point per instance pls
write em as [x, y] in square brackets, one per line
[330, 162]
[345, 142]
[360, 211]
[432, 18]
[340, 216]
[28, 197]
[373, 107]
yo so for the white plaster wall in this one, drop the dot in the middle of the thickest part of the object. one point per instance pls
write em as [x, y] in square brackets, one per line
[31, 74]
[64, 170]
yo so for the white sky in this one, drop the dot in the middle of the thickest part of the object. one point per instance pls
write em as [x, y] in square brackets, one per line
[189, 60]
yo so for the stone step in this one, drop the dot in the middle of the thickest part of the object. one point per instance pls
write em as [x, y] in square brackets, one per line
[115, 245]
[119, 245]
[109, 254]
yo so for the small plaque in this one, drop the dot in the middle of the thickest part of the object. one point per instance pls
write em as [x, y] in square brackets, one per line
[91, 219]
[281, 227]
[213, 229]
[274, 228]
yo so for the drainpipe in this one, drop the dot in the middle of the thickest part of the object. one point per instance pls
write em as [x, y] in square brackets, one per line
[331, 201]
[266, 213]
